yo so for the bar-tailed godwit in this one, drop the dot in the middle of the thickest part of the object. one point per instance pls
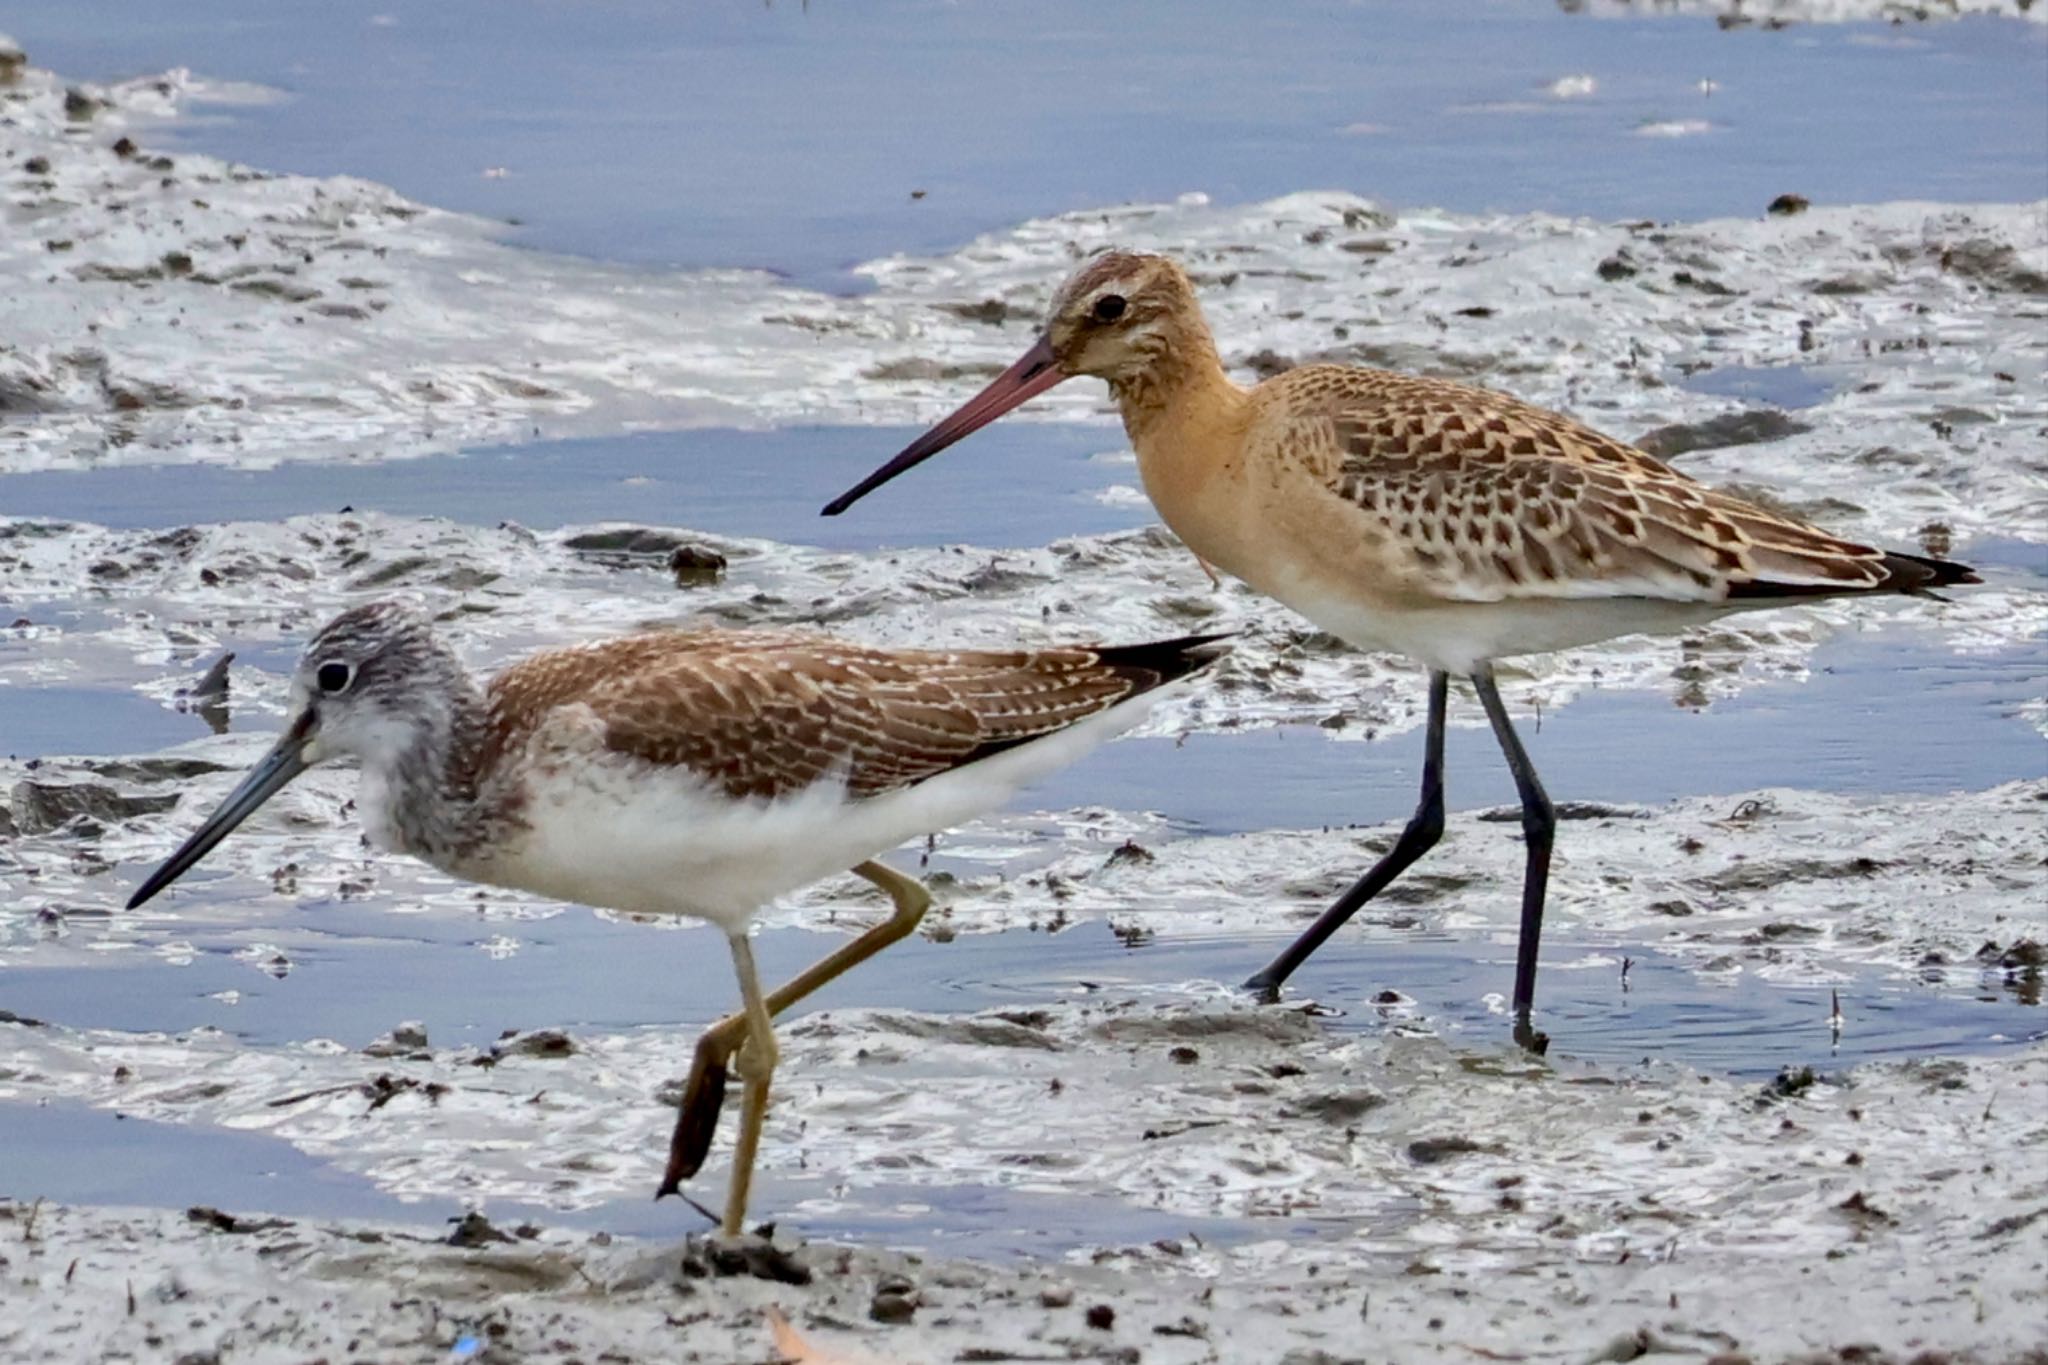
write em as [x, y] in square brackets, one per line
[1445, 522]
[699, 773]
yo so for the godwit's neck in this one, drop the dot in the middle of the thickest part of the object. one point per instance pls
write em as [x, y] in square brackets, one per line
[421, 793]
[1182, 383]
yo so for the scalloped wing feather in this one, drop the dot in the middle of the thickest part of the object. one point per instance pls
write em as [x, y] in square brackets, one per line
[766, 714]
[1478, 497]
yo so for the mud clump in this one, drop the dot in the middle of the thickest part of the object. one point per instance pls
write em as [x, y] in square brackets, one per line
[1567, 810]
[895, 1300]
[545, 1043]
[752, 1257]
[993, 312]
[472, 1229]
[158, 768]
[1752, 427]
[1339, 1107]
[695, 565]
[1620, 266]
[408, 1040]
[1131, 851]
[1994, 263]
[2024, 953]
[914, 368]
[1788, 1084]
[39, 807]
[207, 1216]
[1785, 205]
[1435, 1151]
[1267, 363]
[631, 545]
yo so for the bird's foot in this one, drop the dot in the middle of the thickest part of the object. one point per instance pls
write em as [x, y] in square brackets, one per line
[1529, 1038]
[751, 1254]
[1264, 987]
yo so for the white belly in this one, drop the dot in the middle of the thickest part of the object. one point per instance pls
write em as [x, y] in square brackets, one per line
[1458, 637]
[604, 830]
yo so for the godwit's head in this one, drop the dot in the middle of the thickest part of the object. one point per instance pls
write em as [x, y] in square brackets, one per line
[375, 684]
[1122, 316]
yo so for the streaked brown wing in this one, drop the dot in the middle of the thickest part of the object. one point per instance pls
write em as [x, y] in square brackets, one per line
[761, 715]
[1490, 498]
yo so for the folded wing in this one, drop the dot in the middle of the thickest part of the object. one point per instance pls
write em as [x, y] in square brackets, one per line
[765, 714]
[1475, 496]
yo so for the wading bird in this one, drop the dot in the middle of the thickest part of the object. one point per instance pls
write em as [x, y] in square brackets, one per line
[689, 772]
[1448, 523]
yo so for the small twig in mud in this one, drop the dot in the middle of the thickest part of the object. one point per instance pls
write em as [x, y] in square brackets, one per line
[379, 1090]
[1626, 963]
[131, 1298]
[28, 1226]
[1154, 1134]
[305, 1095]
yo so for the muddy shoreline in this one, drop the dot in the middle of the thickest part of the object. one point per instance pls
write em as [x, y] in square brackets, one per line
[1398, 1185]
[1724, 1215]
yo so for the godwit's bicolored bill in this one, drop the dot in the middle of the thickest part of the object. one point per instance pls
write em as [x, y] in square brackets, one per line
[698, 773]
[1445, 522]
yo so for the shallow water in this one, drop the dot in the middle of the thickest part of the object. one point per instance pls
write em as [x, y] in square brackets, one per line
[600, 130]
[354, 977]
[794, 137]
[1021, 484]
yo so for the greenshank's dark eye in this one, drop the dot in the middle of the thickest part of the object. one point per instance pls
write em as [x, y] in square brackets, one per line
[1109, 307]
[334, 677]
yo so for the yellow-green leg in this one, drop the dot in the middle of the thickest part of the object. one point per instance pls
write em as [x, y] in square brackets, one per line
[756, 1063]
[704, 1092]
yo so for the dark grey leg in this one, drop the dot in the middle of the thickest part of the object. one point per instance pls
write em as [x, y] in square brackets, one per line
[1539, 832]
[1425, 827]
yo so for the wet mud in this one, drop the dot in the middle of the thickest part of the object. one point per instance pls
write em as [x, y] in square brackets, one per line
[1432, 1202]
[1363, 1172]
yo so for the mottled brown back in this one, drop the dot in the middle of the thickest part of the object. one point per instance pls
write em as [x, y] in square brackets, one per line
[763, 714]
[1491, 498]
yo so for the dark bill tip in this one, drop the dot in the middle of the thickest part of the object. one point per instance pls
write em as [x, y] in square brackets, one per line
[1037, 371]
[265, 780]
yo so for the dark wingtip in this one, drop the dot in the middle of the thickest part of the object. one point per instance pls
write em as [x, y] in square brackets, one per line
[1919, 573]
[1167, 660]
[1913, 575]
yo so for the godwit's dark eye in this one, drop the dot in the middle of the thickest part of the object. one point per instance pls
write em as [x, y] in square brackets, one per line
[334, 677]
[1109, 307]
